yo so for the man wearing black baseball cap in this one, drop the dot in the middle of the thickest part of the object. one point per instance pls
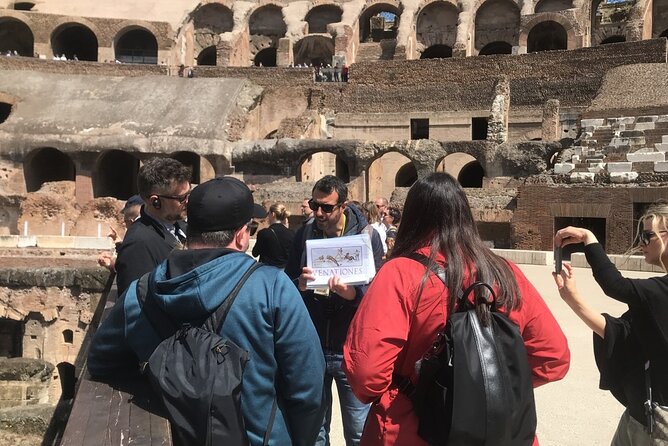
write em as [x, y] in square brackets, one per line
[268, 318]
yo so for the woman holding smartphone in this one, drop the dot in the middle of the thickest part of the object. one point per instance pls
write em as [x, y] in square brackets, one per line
[632, 350]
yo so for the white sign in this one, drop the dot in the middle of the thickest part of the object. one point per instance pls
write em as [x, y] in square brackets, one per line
[350, 258]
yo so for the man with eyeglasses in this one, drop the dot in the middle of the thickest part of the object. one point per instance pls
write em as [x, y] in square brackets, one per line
[332, 309]
[164, 186]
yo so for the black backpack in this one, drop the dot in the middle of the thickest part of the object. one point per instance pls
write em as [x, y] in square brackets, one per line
[474, 384]
[197, 374]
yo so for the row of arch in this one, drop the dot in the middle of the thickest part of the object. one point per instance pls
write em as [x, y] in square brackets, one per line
[74, 40]
[115, 171]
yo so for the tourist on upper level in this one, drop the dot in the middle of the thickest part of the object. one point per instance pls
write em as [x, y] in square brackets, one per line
[631, 350]
[407, 305]
[267, 319]
[164, 186]
[333, 308]
[273, 244]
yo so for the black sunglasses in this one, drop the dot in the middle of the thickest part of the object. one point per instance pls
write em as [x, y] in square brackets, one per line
[180, 198]
[646, 236]
[326, 208]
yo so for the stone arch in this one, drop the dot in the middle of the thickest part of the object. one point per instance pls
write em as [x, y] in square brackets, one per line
[547, 36]
[406, 176]
[68, 336]
[320, 16]
[607, 20]
[16, 35]
[464, 167]
[265, 57]
[316, 165]
[74, 39]
[437, 24]
[11, 333]
[209, 22]
[385, 16]
[314, 49]
[266, 26]
[553, 5]
[497, 20]
[115, 175]
[497, 47]
[208, 56]
[437, 52]
[201, 169]
[47, 164]
[613, 39]
[660, 18]
[384, 171]
[136, 44]
[560, 19]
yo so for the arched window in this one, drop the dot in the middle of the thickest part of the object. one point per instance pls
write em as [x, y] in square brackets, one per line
[265, 58]
[379, 21]
[497, 21]
[16, 36]
[547, 36]
[319, 17]
[314, 50]
[213, 18]
[496, 48]
[437, 52]
[267, 21]
[68, 336]
[75, 41]
[116, 175]
[137, 46]
[44, 165]
[208, 56]
[437, 25]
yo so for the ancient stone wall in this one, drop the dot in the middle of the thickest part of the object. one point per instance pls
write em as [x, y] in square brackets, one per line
[264, 76]
[80, 67]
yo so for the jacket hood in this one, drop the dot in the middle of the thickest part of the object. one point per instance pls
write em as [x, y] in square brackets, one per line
[193, 283]
[355, 221]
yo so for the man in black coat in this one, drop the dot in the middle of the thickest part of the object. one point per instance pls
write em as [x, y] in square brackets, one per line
[164, 186]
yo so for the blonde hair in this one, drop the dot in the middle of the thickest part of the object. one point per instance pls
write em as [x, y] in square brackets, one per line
[371, 212]
[279, 211]
[657, 213]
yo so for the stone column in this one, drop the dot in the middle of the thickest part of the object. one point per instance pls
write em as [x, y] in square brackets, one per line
[551, 123]
[463, 44]
[284, 55]
[84, 163]
[497, 129]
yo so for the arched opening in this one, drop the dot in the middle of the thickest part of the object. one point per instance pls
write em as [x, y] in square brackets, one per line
[137, 46]
[406, 176]
[45, 165]
[496, 48]
[5, 111]
[385, 174]
[266, 26]
[68, 336]
[553, 5]
[465, 168]
[437, 25]
[16, 36]
[319, 17]
[75, 41]
[115, 175]
[192, 161]
[379, 22]
[213, 18]
[497, 21]
[608, 19]
[24, 6]
[265, 58]
[437, 52]
[208, 56]
[317, 165]
[613, 39]
[67, 375]
[547, 36]
[11, 332]
[660, 18]
[314, 50]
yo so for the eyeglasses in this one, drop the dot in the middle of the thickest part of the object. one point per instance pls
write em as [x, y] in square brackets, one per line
[180, 198]
[646, 236]
[326, 208]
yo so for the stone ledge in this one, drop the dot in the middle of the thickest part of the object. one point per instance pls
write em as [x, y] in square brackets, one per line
[55, 242]
[90, 279]
[622, 262]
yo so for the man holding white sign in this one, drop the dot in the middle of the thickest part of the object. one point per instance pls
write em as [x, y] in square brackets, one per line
[333, 306]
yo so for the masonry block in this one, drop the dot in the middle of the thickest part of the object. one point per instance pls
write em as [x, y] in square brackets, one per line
[619, 167]
[592, 122]
[661, 147]
[596, 167]
[9, 241]
[664, 139]
[26, 241]
[582, 177]
[661, 166]
[93, 243]
[623, 177]
[645, 126]
[562, 168]
[54, 241]
[645, 119]
[645, 156]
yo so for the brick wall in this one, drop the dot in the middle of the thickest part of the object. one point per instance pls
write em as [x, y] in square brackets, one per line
[264, 76]
[538, 206]
[80, 67]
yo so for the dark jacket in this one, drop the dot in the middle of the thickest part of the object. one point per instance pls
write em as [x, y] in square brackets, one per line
[273, 245]
[331, 315]
[639, 335]
[267, 319]
[145, 245]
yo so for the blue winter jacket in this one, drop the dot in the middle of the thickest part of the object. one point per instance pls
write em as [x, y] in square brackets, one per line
[268, 319]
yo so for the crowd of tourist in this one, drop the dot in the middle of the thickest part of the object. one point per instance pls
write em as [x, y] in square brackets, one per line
[190, 246]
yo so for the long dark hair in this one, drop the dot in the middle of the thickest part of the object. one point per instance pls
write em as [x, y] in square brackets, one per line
[437, 215]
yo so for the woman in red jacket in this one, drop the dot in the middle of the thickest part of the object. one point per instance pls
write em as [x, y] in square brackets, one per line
[389, 334]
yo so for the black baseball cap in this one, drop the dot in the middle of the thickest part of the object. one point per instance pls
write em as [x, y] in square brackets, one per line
[220, 204]
[134, 200]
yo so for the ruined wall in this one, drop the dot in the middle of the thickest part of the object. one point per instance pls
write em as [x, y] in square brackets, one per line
[539, 204]
[80, 67]
[264, 76]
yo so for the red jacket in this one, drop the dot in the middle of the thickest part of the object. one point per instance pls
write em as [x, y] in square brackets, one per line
[381, 341]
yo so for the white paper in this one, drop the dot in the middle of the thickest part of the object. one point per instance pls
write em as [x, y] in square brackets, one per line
[349, 257]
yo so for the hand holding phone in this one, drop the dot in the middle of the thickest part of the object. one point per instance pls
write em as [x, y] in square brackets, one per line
[557, 259]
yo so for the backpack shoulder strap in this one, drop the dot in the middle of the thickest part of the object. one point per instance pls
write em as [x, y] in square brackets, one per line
[435, 268]
[158, 319]
[215, 322]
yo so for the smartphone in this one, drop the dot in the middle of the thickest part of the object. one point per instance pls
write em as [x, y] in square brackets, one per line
[557, 259]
